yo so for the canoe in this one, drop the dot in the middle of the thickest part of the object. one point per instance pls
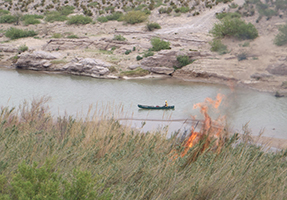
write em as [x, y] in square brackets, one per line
[155, 107]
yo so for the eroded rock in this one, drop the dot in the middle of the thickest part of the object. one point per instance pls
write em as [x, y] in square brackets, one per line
[88, 67]
[37, 60]
[279, 69]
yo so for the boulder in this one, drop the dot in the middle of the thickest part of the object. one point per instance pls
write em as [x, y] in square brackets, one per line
[88, 67]
[279, 69]
[37, 60]
[8, 48]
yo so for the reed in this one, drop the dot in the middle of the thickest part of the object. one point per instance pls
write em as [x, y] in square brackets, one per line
[132, 164]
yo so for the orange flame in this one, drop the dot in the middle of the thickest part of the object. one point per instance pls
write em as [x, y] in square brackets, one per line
[212, 129]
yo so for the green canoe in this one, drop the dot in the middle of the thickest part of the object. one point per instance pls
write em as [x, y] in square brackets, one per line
[155, 107]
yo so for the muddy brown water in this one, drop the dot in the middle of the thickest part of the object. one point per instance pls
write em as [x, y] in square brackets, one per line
[74, 95]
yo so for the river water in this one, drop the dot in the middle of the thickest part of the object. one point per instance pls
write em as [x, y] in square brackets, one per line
[75, 94]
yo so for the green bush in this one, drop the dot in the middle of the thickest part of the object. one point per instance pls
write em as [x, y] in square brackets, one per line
[217, 46]
[134, 17]
[152, 26]
[234, 27]
[23, 48]
[56, 35]
[55, 16]
[4, 12]
[79, 19]
[281, 37]
[183, 60]
[147, 54]
[66, 10]
[60, 14]
[158, 44]
[31, 19]
[72, 36]
[242, 56]
[230, 15]
[33, 182]
[14, 33]
[182, 9]
[139, 57]
[127, 52]
[119, 37]
[102, 19]
[165, 10]
[8, 19]
[115, 16]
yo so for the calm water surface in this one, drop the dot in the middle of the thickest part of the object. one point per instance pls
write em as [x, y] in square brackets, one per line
[74, 94]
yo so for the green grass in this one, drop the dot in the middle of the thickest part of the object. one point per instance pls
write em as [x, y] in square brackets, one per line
[57, 35]
[14, 33]
[23, 48]
[79, 19]
[31, 19]
[183, 61]
[95, 153]
[72, 36]
[136, 72]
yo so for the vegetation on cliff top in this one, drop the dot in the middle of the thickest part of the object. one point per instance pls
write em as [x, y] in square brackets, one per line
[95, 155]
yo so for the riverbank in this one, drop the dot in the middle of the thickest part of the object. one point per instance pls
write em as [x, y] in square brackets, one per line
[97, 54]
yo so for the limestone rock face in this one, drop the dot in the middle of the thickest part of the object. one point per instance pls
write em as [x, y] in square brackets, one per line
[279, 69]
[37, 60]
[88, 67]
[83, 43]
[8, 48]
[165, 61]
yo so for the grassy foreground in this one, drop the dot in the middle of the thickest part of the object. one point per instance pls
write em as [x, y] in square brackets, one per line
[42, 157]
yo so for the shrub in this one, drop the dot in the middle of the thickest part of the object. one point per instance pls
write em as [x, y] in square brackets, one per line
[57, 35]
[60, 14]
[183, 60]
[102, 19]
[152, 26]
[234, 27]
[115, 16]
[182, 9]
[230, 15]
[4, 12]
[119, 38]
[31, 19]
[139, 57]
[281, 37]
[147, 54]
[217, 46]
[134, 17]
[128, 52]
[165, 10]
[66, 10]
[23, 48]
[55, 16]
[14, 33]
[158, 44]
[242, 56]
[8, 19]
[31, 182]
[72, 36]
[79, 19]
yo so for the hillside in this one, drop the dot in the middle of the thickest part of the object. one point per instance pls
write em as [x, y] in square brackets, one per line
[116, 48]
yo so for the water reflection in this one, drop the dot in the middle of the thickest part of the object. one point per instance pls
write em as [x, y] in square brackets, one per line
[74, 95]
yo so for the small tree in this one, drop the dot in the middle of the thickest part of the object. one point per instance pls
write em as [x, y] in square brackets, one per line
[281, 37]
[158, 44]
[234, 27]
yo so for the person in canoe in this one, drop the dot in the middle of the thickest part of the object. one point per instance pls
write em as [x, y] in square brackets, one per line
[165, 103]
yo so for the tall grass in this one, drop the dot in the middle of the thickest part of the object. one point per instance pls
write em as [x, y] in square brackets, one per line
[136, 165]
